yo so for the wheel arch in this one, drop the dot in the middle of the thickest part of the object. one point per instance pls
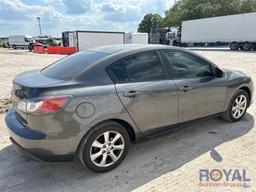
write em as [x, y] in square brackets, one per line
[131, 131]
[231, 92]
[248, 91]
[128, 128]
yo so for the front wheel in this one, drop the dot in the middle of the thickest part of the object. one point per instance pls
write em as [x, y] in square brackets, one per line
[237, 107]
[104, 147]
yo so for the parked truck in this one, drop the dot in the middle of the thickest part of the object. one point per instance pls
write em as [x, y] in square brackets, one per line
[19, 41]
[238, 31]
[83, 40]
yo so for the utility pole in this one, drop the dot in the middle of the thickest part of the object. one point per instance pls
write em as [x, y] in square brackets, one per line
[40, 30]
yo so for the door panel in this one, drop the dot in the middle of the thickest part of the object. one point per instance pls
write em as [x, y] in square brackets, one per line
[205, 96]
[150, 104]
[200, 93]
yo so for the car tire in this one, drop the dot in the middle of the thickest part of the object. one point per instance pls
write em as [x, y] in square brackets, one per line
[254, 47]
[98, 146]
[247, 46]
[235, 111]
[234, 46]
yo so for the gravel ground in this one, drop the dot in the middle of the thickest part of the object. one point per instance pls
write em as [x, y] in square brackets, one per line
[170, 162]
[16, 61]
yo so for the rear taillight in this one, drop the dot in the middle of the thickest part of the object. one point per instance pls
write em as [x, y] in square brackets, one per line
[43, 105]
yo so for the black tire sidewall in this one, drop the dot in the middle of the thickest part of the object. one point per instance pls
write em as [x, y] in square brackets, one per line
[244, 47]
[86, 143]
[240, 92]
[234, 44]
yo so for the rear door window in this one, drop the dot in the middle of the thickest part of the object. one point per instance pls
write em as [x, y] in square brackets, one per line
[139, 68]
[69, 67]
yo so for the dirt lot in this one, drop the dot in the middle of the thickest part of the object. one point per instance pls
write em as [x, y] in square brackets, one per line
[167, 163]
[14, 62]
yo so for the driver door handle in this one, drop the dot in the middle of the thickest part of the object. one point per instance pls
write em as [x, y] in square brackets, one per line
[131, 94]
[185, 88]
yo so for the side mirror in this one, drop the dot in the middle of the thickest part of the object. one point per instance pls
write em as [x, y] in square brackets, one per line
[218, 72]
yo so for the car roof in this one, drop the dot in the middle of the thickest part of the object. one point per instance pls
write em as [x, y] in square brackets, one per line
[95, 74]
[111, 49]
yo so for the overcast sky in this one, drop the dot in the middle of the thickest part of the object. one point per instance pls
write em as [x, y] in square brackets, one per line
[19, 16]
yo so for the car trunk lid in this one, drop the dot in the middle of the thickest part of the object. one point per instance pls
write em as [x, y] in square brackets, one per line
[29, 85]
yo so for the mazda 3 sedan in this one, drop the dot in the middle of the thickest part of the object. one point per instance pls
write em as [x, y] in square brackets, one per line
[92, 104]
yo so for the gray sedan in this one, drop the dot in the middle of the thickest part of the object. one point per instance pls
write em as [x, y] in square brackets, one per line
[94, 103]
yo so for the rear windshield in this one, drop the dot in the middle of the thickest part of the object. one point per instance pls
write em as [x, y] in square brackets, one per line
[69, 67]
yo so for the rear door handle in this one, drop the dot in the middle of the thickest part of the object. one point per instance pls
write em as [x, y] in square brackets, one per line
[131, 94]
[186, 88]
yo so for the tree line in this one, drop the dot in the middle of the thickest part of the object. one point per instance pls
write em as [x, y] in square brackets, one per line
[184, 10]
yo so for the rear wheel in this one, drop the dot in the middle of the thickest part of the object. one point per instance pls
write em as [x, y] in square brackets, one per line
[254, 46]
[247, 46]
[237, 107]
[234, 45]
[105, 147]
[30, 48]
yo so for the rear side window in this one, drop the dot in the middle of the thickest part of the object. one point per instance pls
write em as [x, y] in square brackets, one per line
[120, 72]
[68, 67]
[138, 68]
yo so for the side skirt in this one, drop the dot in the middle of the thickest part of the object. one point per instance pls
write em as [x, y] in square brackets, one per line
[166, 129]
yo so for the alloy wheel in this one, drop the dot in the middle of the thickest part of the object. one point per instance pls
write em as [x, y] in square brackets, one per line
[239, 106]
[107, 148]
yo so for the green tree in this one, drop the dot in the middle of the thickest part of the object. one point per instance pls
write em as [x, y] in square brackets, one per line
[150, 23]
[196, 9]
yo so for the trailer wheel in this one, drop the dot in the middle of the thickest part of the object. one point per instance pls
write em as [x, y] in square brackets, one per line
[247, 46]
[234, 45]
[254, 46]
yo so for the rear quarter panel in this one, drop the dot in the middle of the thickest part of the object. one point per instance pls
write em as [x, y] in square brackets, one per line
[68, 125]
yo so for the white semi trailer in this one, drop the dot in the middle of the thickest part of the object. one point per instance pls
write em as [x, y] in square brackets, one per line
[239, 31]
[136, 38]
[83, 40]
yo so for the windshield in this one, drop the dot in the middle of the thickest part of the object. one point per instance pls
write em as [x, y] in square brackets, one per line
[69, 67]
[43, 41]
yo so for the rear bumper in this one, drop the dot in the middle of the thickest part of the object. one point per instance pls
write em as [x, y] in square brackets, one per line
[34, 144]
[23, 151]
[19, 129]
